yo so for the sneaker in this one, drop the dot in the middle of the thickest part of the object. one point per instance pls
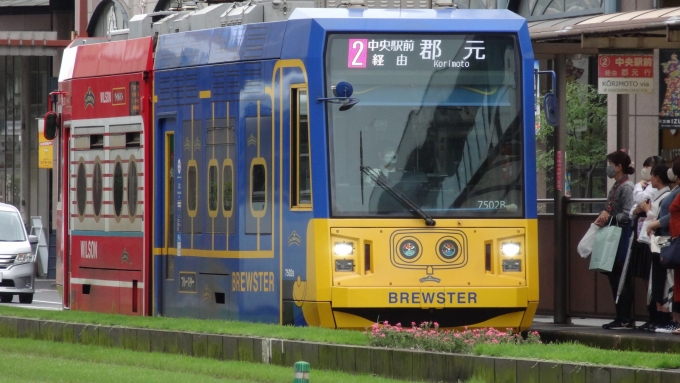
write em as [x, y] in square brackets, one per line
[618, 325]
[669, 328]
[645, 326]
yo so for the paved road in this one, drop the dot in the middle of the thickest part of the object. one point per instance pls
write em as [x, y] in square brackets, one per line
[46, 297]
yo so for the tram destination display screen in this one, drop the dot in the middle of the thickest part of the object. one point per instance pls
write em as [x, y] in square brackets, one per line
[424, 52]
[435, 117]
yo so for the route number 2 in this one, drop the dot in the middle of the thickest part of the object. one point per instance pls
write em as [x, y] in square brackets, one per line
[356, 56]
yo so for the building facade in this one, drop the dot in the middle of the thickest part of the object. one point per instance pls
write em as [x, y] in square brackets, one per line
[33, 34]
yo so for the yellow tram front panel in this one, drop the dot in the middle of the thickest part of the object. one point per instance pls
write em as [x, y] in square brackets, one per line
[401, 264]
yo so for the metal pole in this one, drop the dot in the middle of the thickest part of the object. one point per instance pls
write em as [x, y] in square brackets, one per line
[26, 142]
[561, 271]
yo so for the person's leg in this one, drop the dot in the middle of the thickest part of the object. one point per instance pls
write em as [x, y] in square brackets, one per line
[624, 307]
[621, 321]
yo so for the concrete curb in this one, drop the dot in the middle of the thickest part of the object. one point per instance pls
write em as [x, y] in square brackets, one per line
[390, 363]
[614, 341]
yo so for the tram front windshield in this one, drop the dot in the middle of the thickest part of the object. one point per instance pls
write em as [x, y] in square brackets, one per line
[438, 120]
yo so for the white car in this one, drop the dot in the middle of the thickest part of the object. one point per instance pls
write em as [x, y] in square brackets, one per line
[17, 260]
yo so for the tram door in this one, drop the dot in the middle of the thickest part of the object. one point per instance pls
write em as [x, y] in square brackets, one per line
[291, 98]
[170, 210]
[63, 280]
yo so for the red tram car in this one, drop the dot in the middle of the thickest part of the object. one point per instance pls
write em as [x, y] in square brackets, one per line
[104, 177]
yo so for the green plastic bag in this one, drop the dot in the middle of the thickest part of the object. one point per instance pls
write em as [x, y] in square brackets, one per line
[605, 247]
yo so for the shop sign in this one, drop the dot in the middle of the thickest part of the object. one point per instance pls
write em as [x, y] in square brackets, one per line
[44, 148]
[625, 74]
[669, 89]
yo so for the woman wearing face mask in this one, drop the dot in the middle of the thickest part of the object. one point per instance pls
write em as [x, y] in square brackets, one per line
[644, 190]
[661, 228]
[659, 316]
[619, 204]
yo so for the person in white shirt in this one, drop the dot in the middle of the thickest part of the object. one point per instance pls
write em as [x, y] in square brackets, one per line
[388, 166]
[643, 189]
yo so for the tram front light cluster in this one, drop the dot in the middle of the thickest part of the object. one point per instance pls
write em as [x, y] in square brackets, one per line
[510, 249]
[343, 249]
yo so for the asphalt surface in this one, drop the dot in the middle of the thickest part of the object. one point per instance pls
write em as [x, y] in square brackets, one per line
[46, 297]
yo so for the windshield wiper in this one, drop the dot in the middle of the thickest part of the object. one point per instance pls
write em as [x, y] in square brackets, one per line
[384, 183]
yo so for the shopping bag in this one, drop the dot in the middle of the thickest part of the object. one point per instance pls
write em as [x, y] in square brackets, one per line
[643, 237]
[585, 247]
[670, 254]
[605, 248]
[657, 242]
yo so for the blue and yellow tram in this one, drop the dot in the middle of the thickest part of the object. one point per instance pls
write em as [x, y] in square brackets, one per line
[347, 166]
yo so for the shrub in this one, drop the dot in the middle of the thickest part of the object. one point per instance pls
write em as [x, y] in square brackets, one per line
[429, 337]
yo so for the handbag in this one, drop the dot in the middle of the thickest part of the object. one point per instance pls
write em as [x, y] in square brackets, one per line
[585, 247]
[605, 247]
[670, 254]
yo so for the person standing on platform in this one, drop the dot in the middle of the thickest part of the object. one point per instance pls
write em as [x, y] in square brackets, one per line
[661, 228]
[619, 204]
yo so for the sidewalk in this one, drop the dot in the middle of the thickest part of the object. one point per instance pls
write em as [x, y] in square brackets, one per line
[45, 284]
[591, 333]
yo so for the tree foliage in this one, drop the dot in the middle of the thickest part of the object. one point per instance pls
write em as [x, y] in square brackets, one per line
[586, 130]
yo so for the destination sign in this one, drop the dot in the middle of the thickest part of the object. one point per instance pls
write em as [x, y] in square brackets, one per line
[376, 52]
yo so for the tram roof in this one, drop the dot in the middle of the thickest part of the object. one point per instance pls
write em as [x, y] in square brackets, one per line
[404, 13]
[106, 58]
[260, 41]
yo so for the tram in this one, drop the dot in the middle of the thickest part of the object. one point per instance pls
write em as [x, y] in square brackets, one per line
[336, 168]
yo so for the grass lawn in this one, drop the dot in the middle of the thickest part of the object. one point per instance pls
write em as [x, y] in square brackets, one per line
[314, 334]
[25, 360]
[574, 352]
[559, 352]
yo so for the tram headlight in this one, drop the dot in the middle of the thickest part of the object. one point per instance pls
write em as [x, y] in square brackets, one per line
[343, 248]
[510, 249]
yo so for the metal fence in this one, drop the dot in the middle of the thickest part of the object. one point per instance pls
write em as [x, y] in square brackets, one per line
[588, 292]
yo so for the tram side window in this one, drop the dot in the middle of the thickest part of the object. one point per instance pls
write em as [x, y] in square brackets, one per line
[118, 188]
[132, 189]
[259, 187]
[192, 189]
[97, 188]
[212, 190]
[301, 178]
[228, 190]
[81, 189]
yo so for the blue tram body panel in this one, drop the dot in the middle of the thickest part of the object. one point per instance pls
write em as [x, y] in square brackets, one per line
[222, 95]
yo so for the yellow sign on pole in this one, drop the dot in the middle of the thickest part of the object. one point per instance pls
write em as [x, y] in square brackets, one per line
[44, 148]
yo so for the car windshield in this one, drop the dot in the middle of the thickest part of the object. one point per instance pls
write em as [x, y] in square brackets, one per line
[11, 227]
[438, 117]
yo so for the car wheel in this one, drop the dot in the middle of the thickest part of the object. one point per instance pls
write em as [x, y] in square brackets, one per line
[26, 298]
[6, 298]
